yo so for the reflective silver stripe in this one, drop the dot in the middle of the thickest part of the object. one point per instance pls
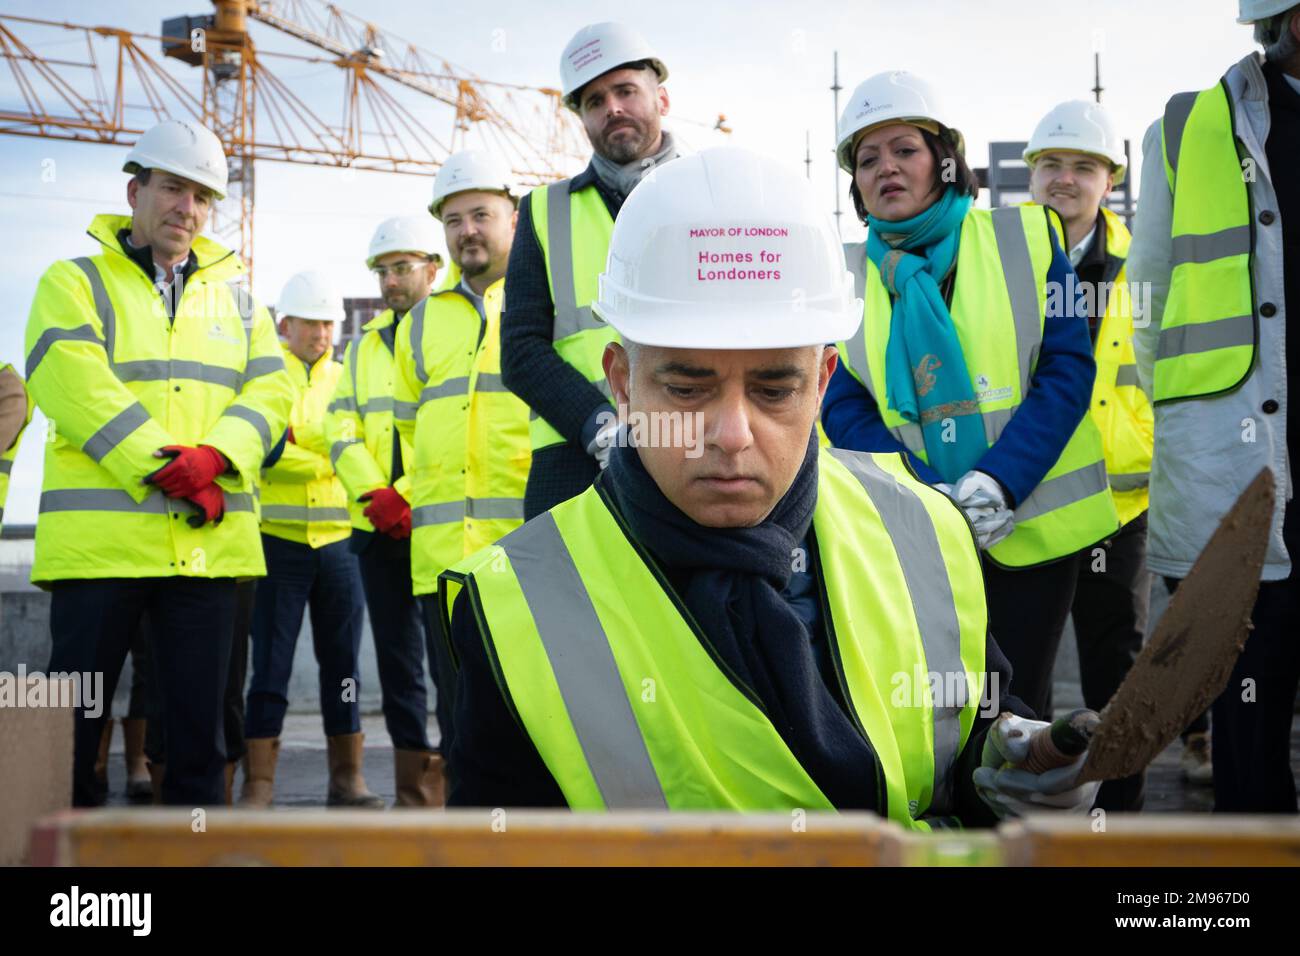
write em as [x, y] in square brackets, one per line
[916, 543]
[489, 508]
[995, 421]
[1206, 336]
[113, 499]
[417, 339]
[1130, 482]
[256, 420]
[1127, 375]
[445, 513]
[1063, 490]
[446, 389]
[267, 365]
[345, 404]
[352, 362]
[584, 667]
[488, 382]
[339, 447]
[161, 370]
[103, 304]
[405, 411]
[380, 403]
[82, 333]
[6, 465]
[115, 431]
[570, 318]
[1177, 110]
[1234, 241]
[1018, 273]
[296, 513]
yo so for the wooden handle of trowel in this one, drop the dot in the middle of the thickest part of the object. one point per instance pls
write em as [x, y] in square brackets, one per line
[1062, 742]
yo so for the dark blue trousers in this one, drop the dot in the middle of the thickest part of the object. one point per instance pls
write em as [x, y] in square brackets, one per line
[192, 620]
[395, 621]
[326, 581]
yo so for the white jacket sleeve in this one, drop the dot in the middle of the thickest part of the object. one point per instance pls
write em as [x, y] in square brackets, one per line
[1149, 258]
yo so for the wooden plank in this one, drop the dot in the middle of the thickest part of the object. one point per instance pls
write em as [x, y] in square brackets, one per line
[167, 837]
[1153, 840]
[35, 757]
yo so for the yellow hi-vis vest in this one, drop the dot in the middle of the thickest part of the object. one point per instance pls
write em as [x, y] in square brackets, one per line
[998, 307]
[435, 353]
[10, 454]
[627, 706]
[118, 381]
[302, 499]
[1119, 406]
[499, 453]
[359, 422]
[1209, 332]
[573, 230]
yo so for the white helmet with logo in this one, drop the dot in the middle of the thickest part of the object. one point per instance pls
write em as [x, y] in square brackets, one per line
[310, 295]
[726, 249]
[406, 234]
[598, 48]
[1081, 127]
[184, 148]
[466, 170]
[894, 97]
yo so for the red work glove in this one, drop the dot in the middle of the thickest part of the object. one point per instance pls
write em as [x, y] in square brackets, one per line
[389, 512]
[210, 503]
[189, 470]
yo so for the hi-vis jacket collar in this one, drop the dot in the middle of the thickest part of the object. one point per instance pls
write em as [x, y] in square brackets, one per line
[382, 321]
[105, 227]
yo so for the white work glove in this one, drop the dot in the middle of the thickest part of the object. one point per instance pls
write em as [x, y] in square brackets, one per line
[1012, 792]
[601, 445]
[981, 497]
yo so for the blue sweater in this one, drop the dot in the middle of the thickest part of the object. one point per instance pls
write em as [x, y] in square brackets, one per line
[1060, 392]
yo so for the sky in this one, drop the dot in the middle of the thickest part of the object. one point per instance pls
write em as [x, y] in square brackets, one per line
[766, 65]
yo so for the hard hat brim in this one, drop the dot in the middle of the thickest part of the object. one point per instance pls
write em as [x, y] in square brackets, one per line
[136, 165]
[571, 98]
[744, 328]
[1118, 170]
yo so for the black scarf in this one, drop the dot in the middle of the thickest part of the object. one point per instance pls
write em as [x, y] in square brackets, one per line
[732, 580]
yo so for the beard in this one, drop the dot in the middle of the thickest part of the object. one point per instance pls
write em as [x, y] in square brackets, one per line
[625, 149]
[477, 266]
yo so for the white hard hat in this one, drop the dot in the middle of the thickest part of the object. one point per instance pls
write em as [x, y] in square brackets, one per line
[1082, 127]
[1248, 11]
[726, 249]
[894, 97]
[184, 148]
[466, 170]
[311, 295]
[406, 234]
[599, 48]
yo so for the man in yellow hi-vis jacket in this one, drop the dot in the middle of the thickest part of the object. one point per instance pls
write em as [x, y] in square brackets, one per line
[469, 433]
[165, 388]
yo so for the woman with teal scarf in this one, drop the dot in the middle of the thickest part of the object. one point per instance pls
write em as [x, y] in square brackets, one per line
[934, 392]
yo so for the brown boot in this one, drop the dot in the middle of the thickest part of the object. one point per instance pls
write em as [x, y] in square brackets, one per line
[259, 771]
[101, 758]
[230, 781]
[419, 778]
[347, 786]
[139, 788]
[155, 782]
